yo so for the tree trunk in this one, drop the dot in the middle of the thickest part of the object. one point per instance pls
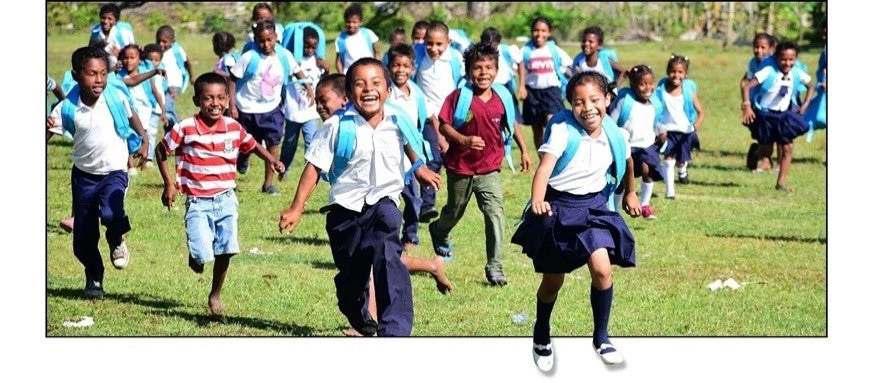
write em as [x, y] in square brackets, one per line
[478, 10]
[770, 19]
[730, 36]
[708, 28]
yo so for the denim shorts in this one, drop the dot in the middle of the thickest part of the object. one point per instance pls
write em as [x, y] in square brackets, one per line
[212, 226]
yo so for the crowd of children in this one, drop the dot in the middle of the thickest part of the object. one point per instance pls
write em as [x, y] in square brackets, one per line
[379, 132]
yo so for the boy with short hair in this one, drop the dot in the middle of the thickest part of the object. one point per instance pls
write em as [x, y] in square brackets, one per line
[362, 220]
[437, 73]
[208, 144]
[114, 33]
[356, 41]
[329, 96]
[97, 112]
[475, 156]
[177, 70]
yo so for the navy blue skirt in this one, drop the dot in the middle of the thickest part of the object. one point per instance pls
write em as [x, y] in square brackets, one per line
[649, 156]
[578, 226]
[680, 145]
[540, 103]
[779, 127]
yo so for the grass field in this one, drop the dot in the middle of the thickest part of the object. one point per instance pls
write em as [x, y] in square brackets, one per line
[728, 223]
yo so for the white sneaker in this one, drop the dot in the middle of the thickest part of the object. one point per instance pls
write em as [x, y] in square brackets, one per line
[120, 255]
[544, 363]
[609, 354]
[132, 172]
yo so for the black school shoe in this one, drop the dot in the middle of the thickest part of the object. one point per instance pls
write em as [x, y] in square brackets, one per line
[684, 180]
[496, 278]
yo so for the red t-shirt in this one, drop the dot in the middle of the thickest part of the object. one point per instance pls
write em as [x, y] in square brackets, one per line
[483, 120]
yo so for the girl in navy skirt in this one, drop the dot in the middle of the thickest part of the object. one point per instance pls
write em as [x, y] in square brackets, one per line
[680, 121]
[776, 117]
[568, 223]
[635, 110]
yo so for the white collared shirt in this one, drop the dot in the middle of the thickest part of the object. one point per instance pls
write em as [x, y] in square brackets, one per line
[296, 107]
[173, 72]
[771, 98]
[356, 47]
[639, 129]
[436, 79]
[674, 118]
[374, 171]
[586, 172]
[97, 148]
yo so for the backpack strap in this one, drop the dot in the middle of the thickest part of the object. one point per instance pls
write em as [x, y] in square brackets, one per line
[410, 132]
[117, 111]
[144, 66]
[294, 36]
[120, 37]
[507, 123]
[67, 82]
[606, 56]
[689, 87]
[457, 69]
[178, 55]
[555, 58]
[256, 58]
[615, 172]
[420, 99]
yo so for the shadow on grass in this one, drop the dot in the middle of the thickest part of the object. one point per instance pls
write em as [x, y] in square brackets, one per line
[208, 320]
[716, 184]
[287, 239]
[781, 238]
[137, 299]
[724, 168]
[60, 142]
[807, 160]
[324, 265]
[724, 153]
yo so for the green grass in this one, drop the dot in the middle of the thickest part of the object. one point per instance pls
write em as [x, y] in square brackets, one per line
[728, 223]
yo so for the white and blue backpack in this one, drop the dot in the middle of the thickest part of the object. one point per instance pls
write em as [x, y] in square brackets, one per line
[342, 40]
[256, 58]
[97, 31]
[507, 122]
[294, 37]
[117, 110]
[456, 64]
[345, 144]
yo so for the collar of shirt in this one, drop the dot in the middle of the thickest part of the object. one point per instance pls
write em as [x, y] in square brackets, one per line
[350, 110]
[397, 93]
[202, 128]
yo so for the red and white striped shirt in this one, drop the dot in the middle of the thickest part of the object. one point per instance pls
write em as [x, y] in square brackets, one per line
[206, 156]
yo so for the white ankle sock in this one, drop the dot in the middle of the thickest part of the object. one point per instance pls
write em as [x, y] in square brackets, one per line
[683, 170]
[669, 177]
[646, 194]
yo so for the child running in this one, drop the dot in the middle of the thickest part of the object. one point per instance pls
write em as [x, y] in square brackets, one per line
[475, 155]
[763, 46]
[568, 223]
[635, 110]
[775, 116]
[207, 145]
[366, 172]
[679, 123]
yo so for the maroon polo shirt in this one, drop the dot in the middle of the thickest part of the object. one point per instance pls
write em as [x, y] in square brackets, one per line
[485, 123]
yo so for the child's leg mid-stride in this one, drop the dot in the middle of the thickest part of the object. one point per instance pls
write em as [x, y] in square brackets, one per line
[99, 198]
[785, 154]
[543, 353]
[364, 241]
[601, 303]
[211, 229]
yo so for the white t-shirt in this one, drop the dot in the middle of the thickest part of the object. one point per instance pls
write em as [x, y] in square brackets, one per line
[296, 107]
[278, 28]
[159, 82]
[507, 70]
[436, 79]
[261, 93]
[174, 72]
[639, 129]
[97, 149]
[112, 41]
[586, 172]
[374, 171]
[673, 119]
[540, 73]
[774, 98]
[357, 47]
[583, 67]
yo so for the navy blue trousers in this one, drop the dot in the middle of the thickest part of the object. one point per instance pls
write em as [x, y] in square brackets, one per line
[411, 212]
[369, 240]
[97, 197]
[427, 193]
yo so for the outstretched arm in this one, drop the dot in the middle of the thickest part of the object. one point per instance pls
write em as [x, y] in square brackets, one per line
[423, 174]
[169, 194]
[266, 155]
[290, 217]
[748, 113]
[630, 203]
[525, 155]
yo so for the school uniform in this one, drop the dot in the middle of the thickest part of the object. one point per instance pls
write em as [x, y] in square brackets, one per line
[300, 117]
[435, 78]
[778, 120]
[639, 131]
[543, 86]
[356, 46]
[410, 194]
[681, 136]
[363, 222]
[580, 222]
[174, 75]
[99, 179]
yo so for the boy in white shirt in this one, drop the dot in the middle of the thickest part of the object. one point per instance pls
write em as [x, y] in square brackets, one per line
[356, 42]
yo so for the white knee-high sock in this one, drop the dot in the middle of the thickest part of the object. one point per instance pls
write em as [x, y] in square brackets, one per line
[618, 197]
[669, 166]
[646, 188]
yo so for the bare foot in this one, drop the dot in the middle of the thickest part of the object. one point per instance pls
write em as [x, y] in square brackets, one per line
[410, 247]
[442, 283]
[350, 332]
[215, 305]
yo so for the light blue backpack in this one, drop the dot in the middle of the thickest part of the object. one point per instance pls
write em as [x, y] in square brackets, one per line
[507, 123]
[117, 110]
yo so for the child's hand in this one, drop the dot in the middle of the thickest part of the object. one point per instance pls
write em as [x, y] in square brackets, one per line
[289, 220]
[540, 208]
[443, 144]
[525, 162]
[748, 114]
[278, 166]
[174, 94]
[311, 98]
[168, 196]
[522, 93]
[163, 119]
[427, 177]
[697, 127]
[631, 205]
[160, 72]
[143, 152]
[473, 142]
